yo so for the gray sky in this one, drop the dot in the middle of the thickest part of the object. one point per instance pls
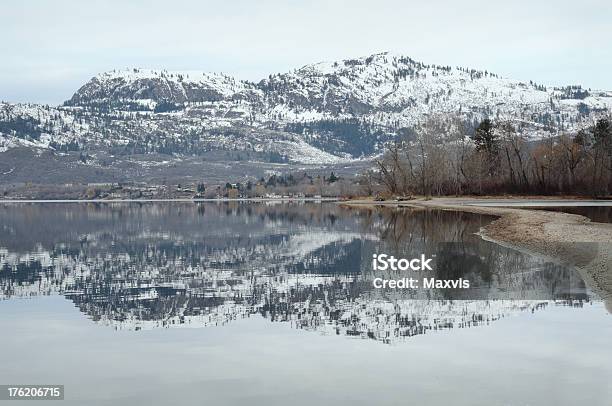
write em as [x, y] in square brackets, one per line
[50, 48]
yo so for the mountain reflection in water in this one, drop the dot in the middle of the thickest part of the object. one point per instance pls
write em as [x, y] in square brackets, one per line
[154, 265]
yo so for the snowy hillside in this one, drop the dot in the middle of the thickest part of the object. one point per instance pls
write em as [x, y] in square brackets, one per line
[148, 87]
[325, 113]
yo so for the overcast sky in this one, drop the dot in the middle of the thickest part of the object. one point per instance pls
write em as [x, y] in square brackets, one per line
[50, 48]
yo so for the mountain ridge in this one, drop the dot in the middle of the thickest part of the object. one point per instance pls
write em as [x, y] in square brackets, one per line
[323, 113]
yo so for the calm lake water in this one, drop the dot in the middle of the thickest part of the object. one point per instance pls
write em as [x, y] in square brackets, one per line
[602, 214]
[266, 304]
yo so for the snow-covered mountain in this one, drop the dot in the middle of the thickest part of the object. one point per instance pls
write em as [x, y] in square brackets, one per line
[324, 113]
[145, 85]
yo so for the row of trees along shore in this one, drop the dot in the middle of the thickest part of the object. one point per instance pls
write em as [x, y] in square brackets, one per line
[439, 159]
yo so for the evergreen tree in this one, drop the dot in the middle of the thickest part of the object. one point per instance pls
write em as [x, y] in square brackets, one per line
[487, 142]
[602, 131]
[485, 138]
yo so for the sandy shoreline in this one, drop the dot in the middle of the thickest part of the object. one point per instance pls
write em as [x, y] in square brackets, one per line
[567, 239]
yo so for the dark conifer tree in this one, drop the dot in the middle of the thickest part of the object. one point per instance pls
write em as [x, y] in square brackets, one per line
[485, 138]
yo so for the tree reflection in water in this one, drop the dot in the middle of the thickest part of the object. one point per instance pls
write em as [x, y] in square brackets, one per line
[156, 265]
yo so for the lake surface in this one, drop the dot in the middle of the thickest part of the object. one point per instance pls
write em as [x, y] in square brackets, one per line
[266, 304]
[602, 214]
